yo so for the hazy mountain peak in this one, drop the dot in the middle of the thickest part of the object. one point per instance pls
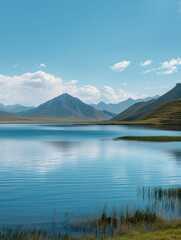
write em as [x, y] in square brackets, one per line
[14, 108]
[121, 106]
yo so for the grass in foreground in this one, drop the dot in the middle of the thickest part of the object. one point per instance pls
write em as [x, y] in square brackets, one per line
[171, 234]
[151, 138]
[162, 230]
[129, 223]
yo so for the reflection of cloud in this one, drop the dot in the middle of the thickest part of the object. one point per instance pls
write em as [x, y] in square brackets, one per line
[77, 150]
[28, 156]
[39, 157]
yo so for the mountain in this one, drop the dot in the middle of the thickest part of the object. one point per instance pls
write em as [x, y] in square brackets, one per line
[17, 108]
[120, 107]
[111, 114]
[168, 113]
[140, 110]
[14, 108]
[68, 108]
[2, 107]
[3, 113]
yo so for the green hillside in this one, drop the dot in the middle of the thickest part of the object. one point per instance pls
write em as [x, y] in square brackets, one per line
[140, 110]
[168, 113]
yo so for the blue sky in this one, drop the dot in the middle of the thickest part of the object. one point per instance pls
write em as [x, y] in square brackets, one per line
[93, 49]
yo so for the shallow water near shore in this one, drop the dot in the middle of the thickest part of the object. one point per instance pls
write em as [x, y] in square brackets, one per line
[47, 170]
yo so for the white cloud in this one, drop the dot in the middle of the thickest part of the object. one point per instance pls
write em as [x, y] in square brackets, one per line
[72, 82]
[146, 63]
[43, 65]
[148, 71]
[171, 63]
[108, 94]
[29, 88]
[124, 84]
[169, 67]
[168, 72]
[86, 93]
[120, 66]
[35, 88]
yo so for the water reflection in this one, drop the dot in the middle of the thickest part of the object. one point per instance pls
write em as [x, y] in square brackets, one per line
[65, 146]
[67, 168]
[177, 156]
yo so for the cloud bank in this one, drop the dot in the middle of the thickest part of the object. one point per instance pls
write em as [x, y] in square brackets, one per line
[35, 88]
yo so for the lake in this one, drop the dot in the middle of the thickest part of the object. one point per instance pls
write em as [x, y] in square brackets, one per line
[52, 169]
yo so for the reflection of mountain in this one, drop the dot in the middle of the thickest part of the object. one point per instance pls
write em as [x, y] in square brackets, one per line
[65, 146]
[177, 155]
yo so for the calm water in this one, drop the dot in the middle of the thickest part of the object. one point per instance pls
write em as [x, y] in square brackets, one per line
[75, 168]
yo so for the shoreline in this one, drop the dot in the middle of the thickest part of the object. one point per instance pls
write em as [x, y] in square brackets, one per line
[150, 138]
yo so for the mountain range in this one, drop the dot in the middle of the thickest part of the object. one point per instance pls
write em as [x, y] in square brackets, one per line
[14, 108]
[140, 110]
[121, 106]
[68, 108]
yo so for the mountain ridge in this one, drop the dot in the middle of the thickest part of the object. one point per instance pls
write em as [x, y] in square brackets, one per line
[121, 106]
[168, 113]
[14, 108]
[140, 110]
[66, 107]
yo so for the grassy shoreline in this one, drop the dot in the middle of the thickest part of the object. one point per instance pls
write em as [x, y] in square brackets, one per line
[151, 138]
[24, 120]
[157, 230]
[168, 234]
[130, 223]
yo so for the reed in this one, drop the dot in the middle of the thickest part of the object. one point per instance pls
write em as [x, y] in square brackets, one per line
[110, 224]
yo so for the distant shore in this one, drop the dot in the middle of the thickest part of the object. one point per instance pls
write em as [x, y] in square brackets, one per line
[12, 119]
[151, 138]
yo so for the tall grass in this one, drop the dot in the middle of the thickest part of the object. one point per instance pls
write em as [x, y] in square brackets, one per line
[108, 223]
[100, 228]
[168, 200]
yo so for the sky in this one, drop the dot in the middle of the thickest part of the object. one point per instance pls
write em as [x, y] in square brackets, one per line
[96, 50]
